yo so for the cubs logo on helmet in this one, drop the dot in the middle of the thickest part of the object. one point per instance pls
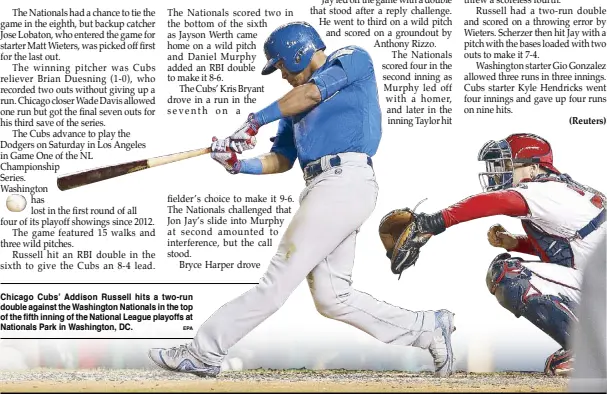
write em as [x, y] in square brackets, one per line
[294, 43]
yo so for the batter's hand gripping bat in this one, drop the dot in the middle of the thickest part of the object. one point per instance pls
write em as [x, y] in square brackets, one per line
[78, 179]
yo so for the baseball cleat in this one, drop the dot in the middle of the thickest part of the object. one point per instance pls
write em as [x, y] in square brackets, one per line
[440, 347]
[179, 359]
[559, 363]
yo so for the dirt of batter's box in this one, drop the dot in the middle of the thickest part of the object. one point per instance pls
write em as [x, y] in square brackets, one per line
[107, 380]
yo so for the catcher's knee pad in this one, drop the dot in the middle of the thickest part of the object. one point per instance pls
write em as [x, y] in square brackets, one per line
[508, 281]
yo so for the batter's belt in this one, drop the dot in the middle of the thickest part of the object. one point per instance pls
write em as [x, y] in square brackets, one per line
[317, 167]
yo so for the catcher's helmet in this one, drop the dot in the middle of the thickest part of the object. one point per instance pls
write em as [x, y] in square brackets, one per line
[294, 43]
[521, 148]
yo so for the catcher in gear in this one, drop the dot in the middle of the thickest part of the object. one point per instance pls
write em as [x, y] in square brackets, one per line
[564, 222]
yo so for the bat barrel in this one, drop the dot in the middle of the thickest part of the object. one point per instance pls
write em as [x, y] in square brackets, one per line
[100, 174]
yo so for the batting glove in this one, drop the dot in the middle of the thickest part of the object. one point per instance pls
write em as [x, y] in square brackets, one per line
[228, 144]
[225, 156]
[243, 138]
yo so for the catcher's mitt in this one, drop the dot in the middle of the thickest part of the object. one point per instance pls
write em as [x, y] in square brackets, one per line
[404, 232]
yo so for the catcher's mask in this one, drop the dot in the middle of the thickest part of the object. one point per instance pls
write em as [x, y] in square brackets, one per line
[501, 156]
[498, 162]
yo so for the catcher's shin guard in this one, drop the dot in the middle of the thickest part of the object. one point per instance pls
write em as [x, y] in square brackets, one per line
[510, 282]
[548, 313]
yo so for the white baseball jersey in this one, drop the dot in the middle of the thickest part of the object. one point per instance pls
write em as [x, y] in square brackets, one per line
[557, 212]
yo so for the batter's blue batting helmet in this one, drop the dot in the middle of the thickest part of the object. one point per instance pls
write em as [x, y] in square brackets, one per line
[294, 44]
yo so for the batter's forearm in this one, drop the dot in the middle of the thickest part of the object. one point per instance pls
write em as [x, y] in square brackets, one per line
[274, 163]
[298, 100]
[269, 163]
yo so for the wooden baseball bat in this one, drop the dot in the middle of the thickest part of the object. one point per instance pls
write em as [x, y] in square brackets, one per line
[87, 177]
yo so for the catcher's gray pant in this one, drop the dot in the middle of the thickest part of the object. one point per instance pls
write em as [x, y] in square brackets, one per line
[319, 244]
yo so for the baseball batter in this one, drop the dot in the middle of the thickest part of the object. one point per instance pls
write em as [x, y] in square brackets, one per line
[564, 223]
[331, 122]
